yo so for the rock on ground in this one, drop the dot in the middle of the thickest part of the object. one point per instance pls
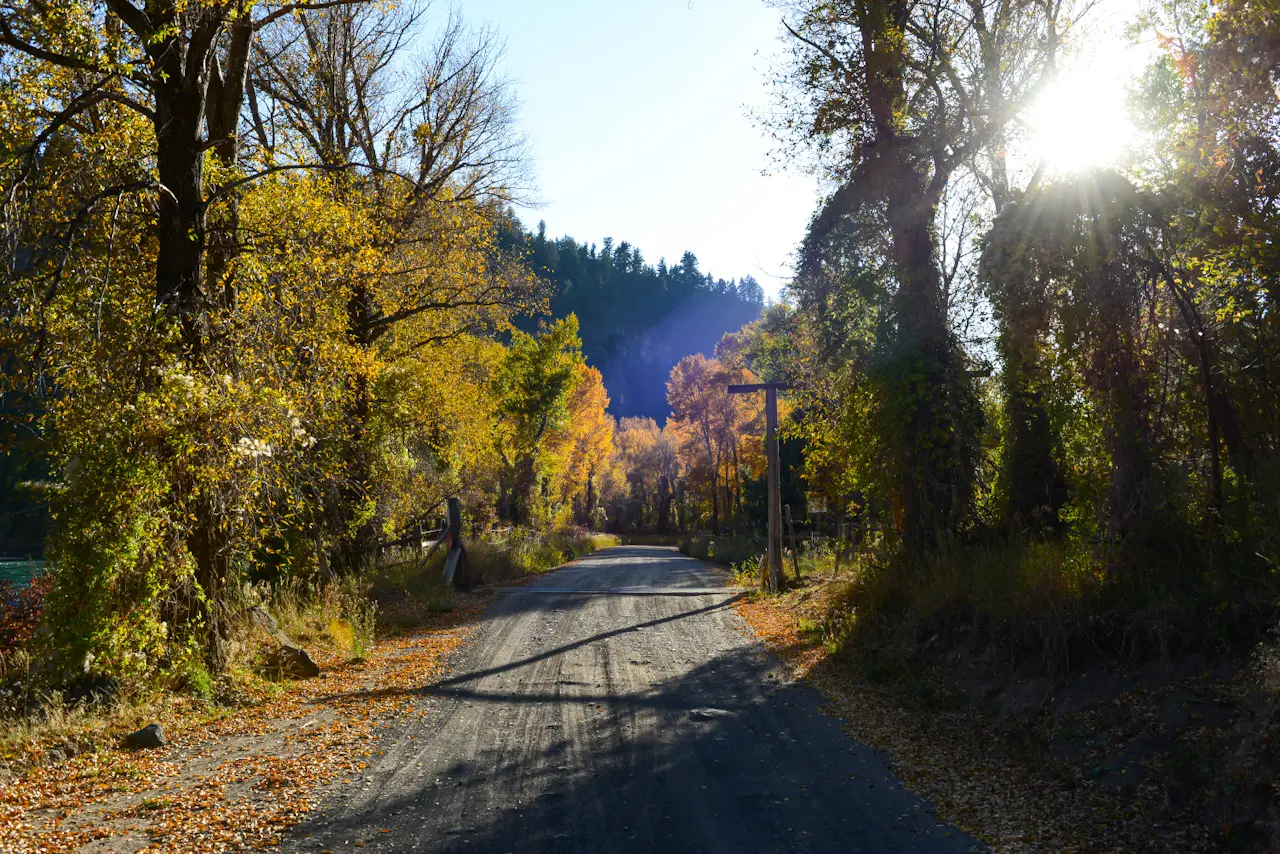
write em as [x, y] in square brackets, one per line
[149, 736]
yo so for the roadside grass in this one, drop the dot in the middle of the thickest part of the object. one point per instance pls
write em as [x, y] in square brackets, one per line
[742, 555]
[338, 616]
[409, 592]
[261, 765]
[650, 539]
[745, 574]
[1055, 667]
[40, 725]
[1046, 605]
[56, 729]
[729, 550]
[521, 552]
[993, 780]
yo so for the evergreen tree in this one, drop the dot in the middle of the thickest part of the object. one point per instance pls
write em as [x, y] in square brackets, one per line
[637, 321]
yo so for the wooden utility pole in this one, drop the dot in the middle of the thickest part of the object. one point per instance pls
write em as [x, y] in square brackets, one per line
[773, 553]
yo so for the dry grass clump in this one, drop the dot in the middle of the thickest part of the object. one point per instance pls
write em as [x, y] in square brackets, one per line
[520, 552]
[335, 619]
[338, 616]
[409, 593]
[54, 729]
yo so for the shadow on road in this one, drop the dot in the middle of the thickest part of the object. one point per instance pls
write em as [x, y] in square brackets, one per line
[560, 650]
[768, 773]
[590, 724]
[516, 604]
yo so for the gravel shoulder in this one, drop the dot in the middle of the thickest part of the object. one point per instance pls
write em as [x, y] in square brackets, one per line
[621, 704]
[234, 781]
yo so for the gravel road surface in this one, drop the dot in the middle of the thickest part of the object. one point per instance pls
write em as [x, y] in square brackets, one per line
[620, 705]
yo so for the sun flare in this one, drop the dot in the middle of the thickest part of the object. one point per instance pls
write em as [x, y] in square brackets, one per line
[1081, 120]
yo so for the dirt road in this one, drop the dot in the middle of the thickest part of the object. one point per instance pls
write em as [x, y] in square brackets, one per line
[616, 705]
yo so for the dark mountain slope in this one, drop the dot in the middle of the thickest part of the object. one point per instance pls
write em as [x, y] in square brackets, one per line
[637, 320]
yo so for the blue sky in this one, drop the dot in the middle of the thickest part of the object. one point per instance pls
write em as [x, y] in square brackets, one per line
[637, 113]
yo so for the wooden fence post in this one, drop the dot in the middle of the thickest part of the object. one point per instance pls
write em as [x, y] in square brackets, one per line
[795, 550]
[457, 568]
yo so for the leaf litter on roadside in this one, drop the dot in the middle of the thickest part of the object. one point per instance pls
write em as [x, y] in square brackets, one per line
[953, 760]
[239, 781]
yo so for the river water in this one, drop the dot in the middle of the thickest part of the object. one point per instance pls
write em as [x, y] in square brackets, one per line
[19, 571]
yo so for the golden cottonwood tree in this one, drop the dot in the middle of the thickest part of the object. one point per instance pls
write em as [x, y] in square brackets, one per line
[578, 451]
[429, 143]
[309, 363]
[534, 385]
[647, 456]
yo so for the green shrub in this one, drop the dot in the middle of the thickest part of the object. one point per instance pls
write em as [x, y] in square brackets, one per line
[727, 550]
[197, 681]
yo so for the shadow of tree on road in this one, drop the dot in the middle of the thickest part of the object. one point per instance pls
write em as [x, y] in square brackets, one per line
[768, 772]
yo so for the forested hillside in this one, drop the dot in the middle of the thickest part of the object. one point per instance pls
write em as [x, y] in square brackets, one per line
[638, 320]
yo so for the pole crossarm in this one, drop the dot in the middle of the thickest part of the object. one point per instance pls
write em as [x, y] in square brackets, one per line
[753, 387]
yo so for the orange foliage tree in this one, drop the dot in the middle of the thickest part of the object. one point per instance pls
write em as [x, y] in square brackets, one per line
[717, 435]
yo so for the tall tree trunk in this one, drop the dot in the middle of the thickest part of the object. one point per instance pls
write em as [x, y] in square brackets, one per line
[226, 98]
[589, 504]
[713, 468]
[208, 546]
[181, 222]
[737, 484]
[933, 475]
[1128, 427]
[1220, 415]
[664, 504]
[523, 491]
[352, 541]
[1034, 489]
[682, 508]
[180, 90]
[1034, 484]
[930, 478]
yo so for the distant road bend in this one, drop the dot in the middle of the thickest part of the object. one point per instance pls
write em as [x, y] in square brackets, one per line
[619, 704]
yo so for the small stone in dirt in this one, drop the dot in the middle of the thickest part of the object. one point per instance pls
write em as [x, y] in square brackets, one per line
[149, 736]
[292, 662]
[709, 714]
